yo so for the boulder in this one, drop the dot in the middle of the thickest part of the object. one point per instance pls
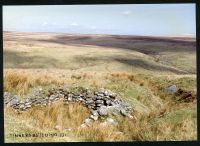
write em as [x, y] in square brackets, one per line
[171, 89]
[103, 111]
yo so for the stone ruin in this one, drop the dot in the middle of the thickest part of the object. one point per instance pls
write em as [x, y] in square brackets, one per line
[100, 103]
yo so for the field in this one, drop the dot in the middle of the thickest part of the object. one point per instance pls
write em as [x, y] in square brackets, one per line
[138, 68]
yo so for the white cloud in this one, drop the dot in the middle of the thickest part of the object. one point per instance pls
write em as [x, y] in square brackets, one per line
[74, 24]
[126, 12]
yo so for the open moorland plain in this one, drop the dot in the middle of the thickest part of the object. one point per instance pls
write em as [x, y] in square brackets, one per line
[155, 75]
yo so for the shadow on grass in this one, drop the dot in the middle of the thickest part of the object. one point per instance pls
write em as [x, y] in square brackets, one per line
[149, 66]
[14, 59]
[146, 45]
[137, 63]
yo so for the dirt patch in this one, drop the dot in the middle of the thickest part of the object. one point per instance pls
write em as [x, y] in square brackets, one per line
[185, 96]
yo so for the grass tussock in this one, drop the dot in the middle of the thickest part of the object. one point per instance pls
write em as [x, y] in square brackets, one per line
[82, 76]
[20, 82]
[63, 116]
[100, 132]
[150, 130]
[120, 76]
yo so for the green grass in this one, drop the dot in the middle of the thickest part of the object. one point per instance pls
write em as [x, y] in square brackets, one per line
[179, 115]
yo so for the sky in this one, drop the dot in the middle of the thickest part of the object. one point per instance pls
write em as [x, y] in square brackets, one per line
[123, 19]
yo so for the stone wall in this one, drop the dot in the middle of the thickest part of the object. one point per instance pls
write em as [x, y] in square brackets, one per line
[100, 102]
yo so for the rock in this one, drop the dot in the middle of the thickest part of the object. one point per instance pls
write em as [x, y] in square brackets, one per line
[89, 101]
[94, 112]
[26, 100]
[80, 96]
[70, 97]
[116, 101]
[112, 95]
[21, 102]
[83, 125]
[99, 97]
[103, 111]
[88, 121]
[108, 102]
[75, 96]
[89, 106]
[61, 96]
[81, 99]
[94, 98]
[106, 93]
[112, 121]
[124, 112]
[99, 101]
[94, 117]
[28, 103]
[7, 94]
[28, 106]
[106, 97]
[21, 106]
[8, 97]
[67, 129]
[112, 103]
[14, 101]
[34, 92]
[171, 89]
[58, 127]
[99, 105]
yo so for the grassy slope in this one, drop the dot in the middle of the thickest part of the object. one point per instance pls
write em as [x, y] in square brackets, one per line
[99, 54]
[129, 68]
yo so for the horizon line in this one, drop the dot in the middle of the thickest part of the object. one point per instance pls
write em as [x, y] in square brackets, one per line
[178, 36]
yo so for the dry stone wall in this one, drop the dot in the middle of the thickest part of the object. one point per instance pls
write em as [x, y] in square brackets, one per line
[100, 102]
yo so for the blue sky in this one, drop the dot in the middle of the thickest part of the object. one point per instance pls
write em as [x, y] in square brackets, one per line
[131, 19]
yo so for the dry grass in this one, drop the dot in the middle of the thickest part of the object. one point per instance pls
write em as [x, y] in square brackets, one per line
[147, 129]
[100, 132]
[20, 82]
[66, 116]
[56, 118]
[120, 76]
